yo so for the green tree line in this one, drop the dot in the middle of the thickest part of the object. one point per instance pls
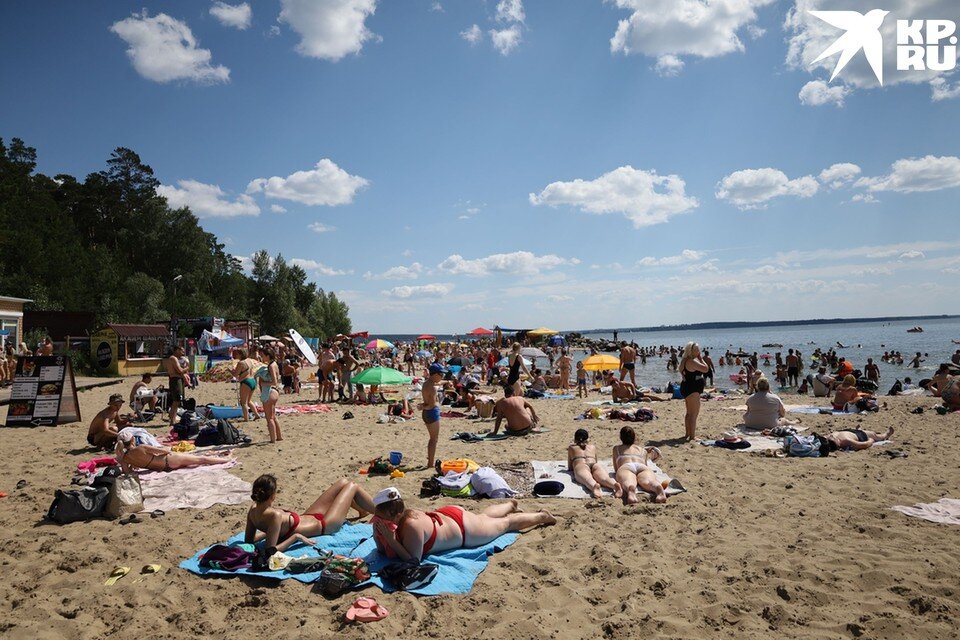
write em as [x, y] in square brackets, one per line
[111, 245]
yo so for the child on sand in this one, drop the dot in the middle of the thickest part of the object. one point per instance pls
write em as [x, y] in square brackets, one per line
[581, 381]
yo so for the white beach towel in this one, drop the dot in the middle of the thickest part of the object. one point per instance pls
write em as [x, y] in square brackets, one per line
[944, 511]
[557, 470]
[193, 488]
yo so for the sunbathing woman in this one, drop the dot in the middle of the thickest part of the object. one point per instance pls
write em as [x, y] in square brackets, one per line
[410, 535]
[281, 528]
[846, 393]
[137, 449]
[630, 465]
[583, 465]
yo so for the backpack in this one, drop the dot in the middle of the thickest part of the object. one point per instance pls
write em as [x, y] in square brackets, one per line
[125, 497]
[407, 576]
[229, 434]
[82, 504]
[189, 426]
[208, 436]
[802, 446]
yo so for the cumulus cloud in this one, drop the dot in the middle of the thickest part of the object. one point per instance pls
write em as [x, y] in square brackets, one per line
[668, 65]
[709, 265]
[865, 198]
[236, 16]
[687, 255]
[559, 298]
[510, 11]
[436, 290]
[506, 40]
[277, 208]
[319, 227]
[644, 197]
[397, 273]
[473, 35]
[163, 49]
[326, 184]
[912, 255]
[754, 188]
[207, 200]
[329, 29]
[318, 267]
[929, 173]
[765, 270]
[703, 28]
[942, 90]
[817, 93]
[839, 175]
[519, 263]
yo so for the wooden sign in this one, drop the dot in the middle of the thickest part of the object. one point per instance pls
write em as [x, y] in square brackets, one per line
[44, 392]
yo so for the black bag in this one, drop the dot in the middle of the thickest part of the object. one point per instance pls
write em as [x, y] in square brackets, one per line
[73, 506]
[209, 436]
[429, 488]
[107, 477]
[229, 434]
[261, 561]
[189, 426]
[409, 575]
[331, 584]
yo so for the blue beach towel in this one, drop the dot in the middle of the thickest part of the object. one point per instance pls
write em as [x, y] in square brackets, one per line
[459, 568]
[558, 396]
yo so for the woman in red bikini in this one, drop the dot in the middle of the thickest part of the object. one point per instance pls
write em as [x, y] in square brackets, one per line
[409, 534]
[281, 528]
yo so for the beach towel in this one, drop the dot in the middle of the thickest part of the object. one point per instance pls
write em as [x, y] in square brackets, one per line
[799, 408]
[291, 409]
[468, 436]
[459, 568]
[193, 488]
[944, 511]
[453, 414]
[557, 470]
[558, 396]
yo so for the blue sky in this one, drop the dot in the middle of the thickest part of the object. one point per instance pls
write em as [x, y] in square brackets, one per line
[580, 163]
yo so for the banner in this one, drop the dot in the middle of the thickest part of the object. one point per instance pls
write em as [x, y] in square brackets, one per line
[44, 392]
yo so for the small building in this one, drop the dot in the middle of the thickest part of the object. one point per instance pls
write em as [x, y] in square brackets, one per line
[129, 349]
[246, 330]
[11, 320]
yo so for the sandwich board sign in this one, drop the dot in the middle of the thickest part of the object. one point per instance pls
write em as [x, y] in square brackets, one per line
[44, 393]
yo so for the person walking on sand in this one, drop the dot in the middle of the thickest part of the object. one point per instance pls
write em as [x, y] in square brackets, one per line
[692, 368]
[430, 409]
[628, 363]
[516, 365]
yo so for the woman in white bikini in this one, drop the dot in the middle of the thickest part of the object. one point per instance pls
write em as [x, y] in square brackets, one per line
[630, 465]
[586, 469]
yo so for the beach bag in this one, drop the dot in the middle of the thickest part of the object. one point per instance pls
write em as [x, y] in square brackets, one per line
[82, 504]
[208, 436]
[189, 426]
[229, 434]
[485, 409]
[867, 404]
[126, 496]
[226, 558]
[802, 446]
[107, 477]
[341, 573]
[407, 576]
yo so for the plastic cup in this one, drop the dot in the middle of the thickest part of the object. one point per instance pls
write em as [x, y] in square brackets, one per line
[396, 458]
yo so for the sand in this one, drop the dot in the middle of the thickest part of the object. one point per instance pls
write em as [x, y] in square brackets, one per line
[758, 547]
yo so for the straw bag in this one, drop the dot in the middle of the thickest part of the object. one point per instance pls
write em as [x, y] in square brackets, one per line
[126, 496]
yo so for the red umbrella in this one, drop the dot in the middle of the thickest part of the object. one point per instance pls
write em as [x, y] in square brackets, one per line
[426, 336]
[480, 331]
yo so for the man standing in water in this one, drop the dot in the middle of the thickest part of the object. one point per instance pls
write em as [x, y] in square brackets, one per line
[430, 410]
[177, 374]
[628, 363]
[793, 369]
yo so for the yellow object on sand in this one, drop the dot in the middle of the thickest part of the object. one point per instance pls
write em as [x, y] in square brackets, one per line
[148, 570]
[117, 573]
[396, 473]
[183, 447]
[458, 465]
[600, 362]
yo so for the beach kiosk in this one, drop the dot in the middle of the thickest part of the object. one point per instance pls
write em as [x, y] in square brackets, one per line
[11, 321]
[129, 349]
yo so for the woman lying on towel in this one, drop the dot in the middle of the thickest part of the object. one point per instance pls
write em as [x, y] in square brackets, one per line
[630, 465]
[410, 535]
[281, 528]
[137, 449]
[586, 469]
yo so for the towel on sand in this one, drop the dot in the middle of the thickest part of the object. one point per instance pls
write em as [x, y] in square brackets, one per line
[799, 408]
[193, 488]
[459, 568]
[549, 395]
[557, 470]
[944, 511]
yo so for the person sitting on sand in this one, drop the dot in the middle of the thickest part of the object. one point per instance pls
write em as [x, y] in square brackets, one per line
[586, 469]
[855, 439]
[410, 534]
[846, 393]
[950, 393]
[520, 415]
[106, 424]
[142, 392]
[939, 381]
[621, 391]
[630, 465]
[281, 528]
[823, 383]
[137, 449]
[764, 409]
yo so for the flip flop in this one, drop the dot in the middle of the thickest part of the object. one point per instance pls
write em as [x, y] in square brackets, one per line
[148, 570]
[130, 519]
[21, 484]
[117, 573]
[366, 610]
[157, 513]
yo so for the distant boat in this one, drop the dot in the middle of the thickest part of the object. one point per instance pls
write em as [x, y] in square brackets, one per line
[772, 344]
[915, 330]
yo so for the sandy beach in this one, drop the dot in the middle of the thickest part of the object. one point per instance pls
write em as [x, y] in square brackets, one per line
[758, 547]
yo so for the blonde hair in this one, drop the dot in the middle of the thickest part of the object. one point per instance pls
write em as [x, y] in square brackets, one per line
[516, 346]
[688, 351]
[763, 384]
[849, 381]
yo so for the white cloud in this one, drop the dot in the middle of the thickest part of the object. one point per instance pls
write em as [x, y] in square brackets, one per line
[753, 188]
[318, 267]
[326, 184]
[277, 208]
[436, 6]
[704, 28]
[709, 265]
[163, 49]
[559, 298]
[236, 16]
[817, 93]
[506, 40]
[942, 90]
[929, 173]
[397, 273]
[510, 11]
[668, 65]
[207, 200]
[839, 175]
[521, 263]
[319, 227]
[865, 198]
[872, 271]
[436, 290]
[687, 255]
[407, 253]
[765, 270]
[644, 197]
[755, 32]
[912, 255]
[329, 29]
[473, 35]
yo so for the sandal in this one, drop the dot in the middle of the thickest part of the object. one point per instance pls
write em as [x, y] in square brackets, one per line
[157, 513]
[117, 573]
[366, 610]
[148, 570]
[130, 519]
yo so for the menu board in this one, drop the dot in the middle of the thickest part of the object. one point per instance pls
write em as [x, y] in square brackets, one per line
[44, 392]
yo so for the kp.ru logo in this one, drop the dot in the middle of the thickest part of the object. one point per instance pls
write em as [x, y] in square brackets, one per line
[921, 44]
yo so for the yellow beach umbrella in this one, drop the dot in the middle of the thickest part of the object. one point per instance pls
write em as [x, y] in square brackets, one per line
[542, 331]
[601, 362]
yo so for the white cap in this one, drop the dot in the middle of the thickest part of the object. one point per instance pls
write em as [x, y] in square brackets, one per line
[386, 495]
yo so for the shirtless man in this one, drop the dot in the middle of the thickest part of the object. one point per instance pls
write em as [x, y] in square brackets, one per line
[628, 363]
[621, 391]
[940, 380]
[141, 389]
[106, 424]
[915, 363]
[430, 409]
[710, 369]
[326, 375]
[520, 416]
[872, 370]
[348, 364]
[793, 369]
[177, 374]
[565, 364]
[856, 439]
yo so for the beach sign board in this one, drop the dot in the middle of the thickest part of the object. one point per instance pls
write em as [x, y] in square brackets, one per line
[303, 347]
[44, 393]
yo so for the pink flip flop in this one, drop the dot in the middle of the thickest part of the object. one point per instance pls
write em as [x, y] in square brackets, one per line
[366, 610]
